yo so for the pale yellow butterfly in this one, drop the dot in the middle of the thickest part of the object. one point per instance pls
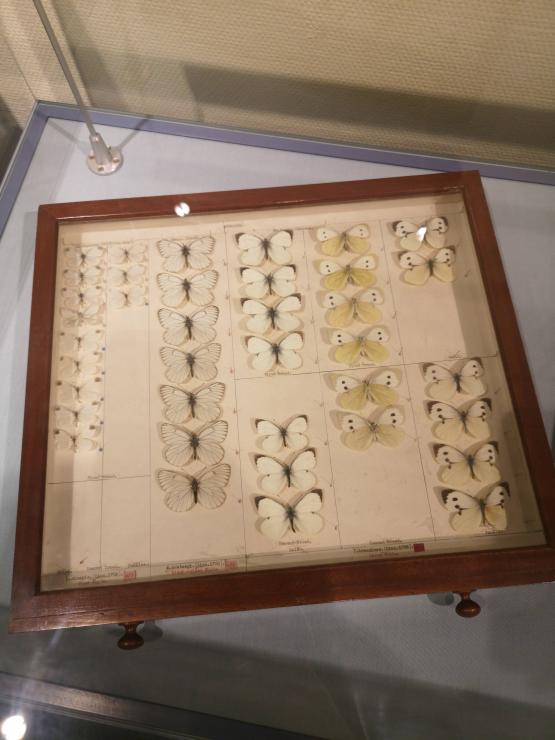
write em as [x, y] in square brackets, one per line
[472, 513]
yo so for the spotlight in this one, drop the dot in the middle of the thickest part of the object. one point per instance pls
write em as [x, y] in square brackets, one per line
[14, 727]
[182, 209]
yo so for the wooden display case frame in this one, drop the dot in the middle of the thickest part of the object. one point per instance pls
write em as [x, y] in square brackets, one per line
[132, 603]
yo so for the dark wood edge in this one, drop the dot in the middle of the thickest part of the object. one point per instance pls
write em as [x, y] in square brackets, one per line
[32, 609]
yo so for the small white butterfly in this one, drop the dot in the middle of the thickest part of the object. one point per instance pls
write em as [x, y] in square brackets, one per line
[343, 310]
[82, 418]
[179, 254]
[256, 249]
[183, 446]
[73, 442]
[472, 514]
[196, 327]
[267, 354]
[262, 317]
[431, 232]
[184, 491]
[134, 295]
[79, 258]
[278, 475]
[355, 239]
[201, 404]
[301, 518]
[280, 282]
[197, 289]
[120, 253]
[361, 433]
[369, 347]
[276, 436]
[81, 298]
[358, 272]
[88, 391]
[132, 275]
[91, 314]
[379, 389]
[87, 364]
[462, 467]
[419, 269]
[445, 383]
[200, 363]
[89, 342]
[453, 422]
[83, 276]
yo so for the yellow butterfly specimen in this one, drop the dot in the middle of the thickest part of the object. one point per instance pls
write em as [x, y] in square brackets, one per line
[445, 383]
[453, 422]
[361, 433]
[355, 239]
[472, 514]
[358, 272]
[462, 467]
[419, 269]
[368, 347]
[430, 233]
[343, 310]
[378, 388]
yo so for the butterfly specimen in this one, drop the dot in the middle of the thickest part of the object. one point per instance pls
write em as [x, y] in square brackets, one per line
[199, 363]
[355, 239]
[452, 422]
[86, 364]
[87, 275]
[280, 282]
[266, 354]
[462, 467]
[86, 416]
[419, 269]
[89, 342]
[197, 289]
[73, 442]
[255, 249]
[134, 295]
[358, 272]
[278, 475]
[80, 258]
[379, 389]
[181, 328]
[194, 254]
[184, 446]
[343, 310]
[445, 383]
[276, 437]
[71, 318]
[201, 404]
[118, 276]
[368, 347]
[471, 513]
[184, 491]
[86, 392]
[80, 298]
[361, 433]
[301, 518]
[119, 253]
[431, 232]
[262, 317]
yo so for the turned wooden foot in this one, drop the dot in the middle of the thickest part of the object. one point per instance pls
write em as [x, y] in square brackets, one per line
[131, 639]
[467, 607]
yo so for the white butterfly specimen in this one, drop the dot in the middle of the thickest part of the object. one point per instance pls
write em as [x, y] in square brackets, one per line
[276, 436]
[184, 491]
[262, 317]
[81, 298]
[78, 418]
[452, 422]
[82, 276]
[255, 249]
[91, 314]
[431, 232]
[88, 391]
[88, 342]
[194, 254]
[444, 383]
[419, 269]
[200, 404]
[132, 275]
[80, 258]
[266, 354]
[301, 518]
[355, 239]
[471, 513]
[73, 442]
[358, 272]
[184, 446]
[87, 364]
[361, 433]
[379, 389]
[200, 363]
[462, 467]
[368, 347]
[196, 327]
[197, 289]
[134, 295]
[120, 253]
[343, 310]
[278, 475]
[280, 282]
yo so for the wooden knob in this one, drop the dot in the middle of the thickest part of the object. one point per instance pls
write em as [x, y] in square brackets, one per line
[131, 639]
[467, 607]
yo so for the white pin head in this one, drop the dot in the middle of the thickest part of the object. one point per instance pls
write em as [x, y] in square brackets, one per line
[182, 209]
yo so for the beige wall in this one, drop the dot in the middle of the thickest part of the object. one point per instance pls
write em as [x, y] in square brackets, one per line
[473, 79]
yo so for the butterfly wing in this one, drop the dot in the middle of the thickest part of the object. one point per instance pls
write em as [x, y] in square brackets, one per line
[467, 514]
[442, 265]
[331, 242]
[264, 356]
[361, 271]
[357, 239]
[484, 467]
[470, 380]
[173, 254]
[175, 325]
[178, 488]
[457, 470]
[283, 310]
[336, 276]
[442, 382]
[253, 252]
[372, 347]
[203, 321]
[275, 522]
[205, 402]
[278, 248]
[388, 431]
[210, 450]
[199, 251]
[366, 306]
[260, 319]
[301, 477]
[256, 283]
[174, 292]
[204, 361]
[417, 269]
[475, 422]
[409, 234]
[295, 437]
[273, 437]
[435, 232]
[380, 389]
[353, 393]
[348, 347]
[179, 449]
[306, 520]
[341, 310]
[179, 364]
[211, 484]
[283, 281]
[287, 348]
[449, 426]
[200, 290]
[495, 512]
[273, 472]
[135, 296]
[358, 432]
